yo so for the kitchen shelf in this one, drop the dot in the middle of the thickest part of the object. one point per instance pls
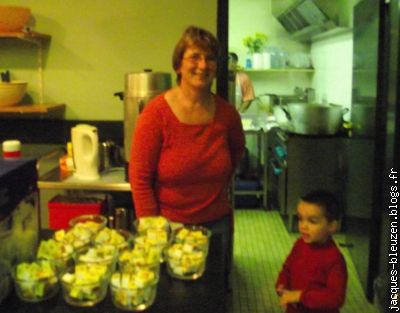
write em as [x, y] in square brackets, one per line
[110, 180]
[44, 111]
[31, 36]
[281, 70]
[39, 40]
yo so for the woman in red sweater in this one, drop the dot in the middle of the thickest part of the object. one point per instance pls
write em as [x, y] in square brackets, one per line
[187, 143]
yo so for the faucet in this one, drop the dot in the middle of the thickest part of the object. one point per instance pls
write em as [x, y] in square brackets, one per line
[306, 94]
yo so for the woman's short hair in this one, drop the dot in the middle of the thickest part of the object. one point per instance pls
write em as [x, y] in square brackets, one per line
[194, 36]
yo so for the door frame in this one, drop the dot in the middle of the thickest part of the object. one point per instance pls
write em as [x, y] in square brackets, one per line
[222, 36]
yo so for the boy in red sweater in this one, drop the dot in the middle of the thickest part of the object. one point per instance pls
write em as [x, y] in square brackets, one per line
[314, 276]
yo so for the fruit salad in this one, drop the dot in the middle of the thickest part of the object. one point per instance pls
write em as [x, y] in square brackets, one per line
[99, 254]
[187, 254]
[134, 291]
[197, 237]
[151, 222]
[56, 251]
[85, 284]
[144, 255]
[155, 239]
[185, 261]
[35, 281]
[78, 237]
[94, 222]
[118, 238]
[157, 236]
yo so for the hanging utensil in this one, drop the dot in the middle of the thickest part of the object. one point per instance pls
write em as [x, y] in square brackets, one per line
[5, 76]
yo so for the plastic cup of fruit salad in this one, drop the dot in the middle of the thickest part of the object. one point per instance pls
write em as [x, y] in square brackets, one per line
[61, 254]
[142, 224]
[134, 290]
[79, 237]
[154, 239]
[93, 222]
[186, 255]
[35, 281]
[119, 238]
[140, 256]
[85, 285]
[99, 254]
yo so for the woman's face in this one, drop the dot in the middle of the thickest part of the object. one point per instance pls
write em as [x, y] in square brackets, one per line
[198, 67]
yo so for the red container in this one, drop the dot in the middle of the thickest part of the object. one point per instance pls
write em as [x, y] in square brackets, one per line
[64, 208]
[11, 149]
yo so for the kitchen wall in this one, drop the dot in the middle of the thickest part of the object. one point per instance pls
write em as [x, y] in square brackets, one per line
[333, 63]
[94, 43]
[251, 16]
[331, 55]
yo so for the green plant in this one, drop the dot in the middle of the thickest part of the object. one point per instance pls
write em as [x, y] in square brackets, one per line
[255, 44]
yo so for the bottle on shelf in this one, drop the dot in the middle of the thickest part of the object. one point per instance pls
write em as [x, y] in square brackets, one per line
[248, 62]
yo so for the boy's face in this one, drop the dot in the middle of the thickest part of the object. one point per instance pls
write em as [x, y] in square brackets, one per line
[314, 227]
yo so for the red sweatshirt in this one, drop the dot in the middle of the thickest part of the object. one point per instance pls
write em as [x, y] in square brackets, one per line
[320, 272]
[182, 171]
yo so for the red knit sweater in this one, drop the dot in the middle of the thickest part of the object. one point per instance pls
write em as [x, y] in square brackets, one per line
[182, 171]
[320, 272]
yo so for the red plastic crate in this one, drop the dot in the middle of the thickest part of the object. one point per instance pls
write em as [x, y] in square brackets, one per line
[63, 208]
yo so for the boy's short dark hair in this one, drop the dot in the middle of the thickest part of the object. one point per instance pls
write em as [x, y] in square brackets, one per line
[327, 201]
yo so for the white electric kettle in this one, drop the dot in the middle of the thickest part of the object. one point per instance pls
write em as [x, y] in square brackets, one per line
[85, 143]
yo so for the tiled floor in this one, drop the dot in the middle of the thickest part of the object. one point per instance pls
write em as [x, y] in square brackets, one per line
[261, 246]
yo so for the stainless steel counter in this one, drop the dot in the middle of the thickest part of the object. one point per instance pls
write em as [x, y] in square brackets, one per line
[110, 180]
[47, 155]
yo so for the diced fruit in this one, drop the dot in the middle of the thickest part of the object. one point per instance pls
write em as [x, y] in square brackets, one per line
[36, 280]
[131, 290]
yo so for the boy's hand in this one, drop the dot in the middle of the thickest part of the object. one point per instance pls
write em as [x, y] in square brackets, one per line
[290, 296]
[280, 290]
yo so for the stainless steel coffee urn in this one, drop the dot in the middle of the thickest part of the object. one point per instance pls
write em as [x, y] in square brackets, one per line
[139, 89]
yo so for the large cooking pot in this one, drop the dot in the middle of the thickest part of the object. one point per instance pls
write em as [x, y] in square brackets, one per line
[315, 119]
[140, 88]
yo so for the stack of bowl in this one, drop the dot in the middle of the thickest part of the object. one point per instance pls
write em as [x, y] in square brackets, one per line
[11, 93]
[12, 19]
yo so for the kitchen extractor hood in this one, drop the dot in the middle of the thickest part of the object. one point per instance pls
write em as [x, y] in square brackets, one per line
[304, 19]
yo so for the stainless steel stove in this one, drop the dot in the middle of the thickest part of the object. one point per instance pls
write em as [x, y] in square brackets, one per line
[297, 164]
